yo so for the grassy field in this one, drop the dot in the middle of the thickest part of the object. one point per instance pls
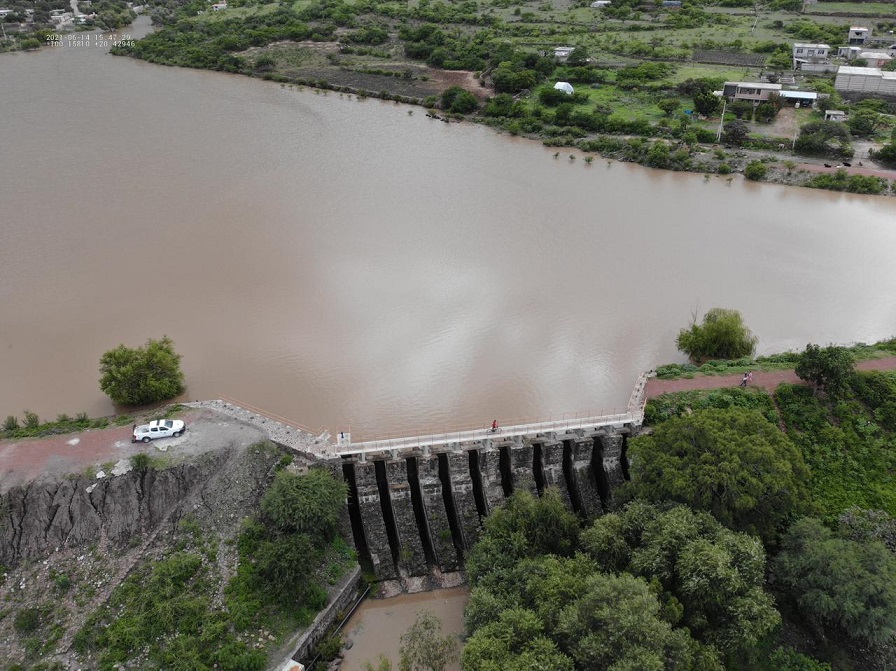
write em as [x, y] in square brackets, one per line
[887, 9]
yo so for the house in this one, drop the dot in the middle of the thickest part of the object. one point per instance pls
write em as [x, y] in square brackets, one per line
[4, 12]
[562, 53]
[875, 59]
[218, 6]
[865, 80]
[598, 4]
[858, 35]
[834, 115]
[810, 56]
[754, 92]
[672, 4]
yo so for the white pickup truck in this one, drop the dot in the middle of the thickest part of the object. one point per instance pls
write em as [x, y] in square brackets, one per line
[159, 428]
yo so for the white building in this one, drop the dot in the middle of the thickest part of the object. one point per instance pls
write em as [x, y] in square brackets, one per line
[562, 53]
[755, 92]
[858, 35]
[865, 80]
[805, 56]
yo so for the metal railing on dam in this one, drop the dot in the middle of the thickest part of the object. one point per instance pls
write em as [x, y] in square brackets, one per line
[578, 426]
[321, 444]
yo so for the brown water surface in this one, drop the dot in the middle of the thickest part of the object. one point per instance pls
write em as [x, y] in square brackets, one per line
[376, 627]
[346, 263]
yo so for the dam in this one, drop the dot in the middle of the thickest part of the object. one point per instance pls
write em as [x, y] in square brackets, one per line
[416, 504]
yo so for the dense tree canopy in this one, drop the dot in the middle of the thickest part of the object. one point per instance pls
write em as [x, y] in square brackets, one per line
[142, 375]
[732, 463]
[842, 585]
[723, 335]
[712, 578]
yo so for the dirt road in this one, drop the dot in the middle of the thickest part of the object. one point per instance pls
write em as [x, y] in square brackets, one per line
[763, 379]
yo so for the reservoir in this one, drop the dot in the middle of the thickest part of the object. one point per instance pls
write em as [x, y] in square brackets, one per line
[356, 265]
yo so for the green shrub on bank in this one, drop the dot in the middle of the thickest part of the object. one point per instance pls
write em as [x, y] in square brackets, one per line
[843, 181]
[677, 404]
[33, 428]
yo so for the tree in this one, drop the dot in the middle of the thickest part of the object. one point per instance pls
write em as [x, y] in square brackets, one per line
[732, 463]
[309, 504]
[827, 368]
[843, 586]
[886, 154]
[706, 102]
[669, 105]
[780, 60]
[864, 122]
[736, 132]
[423, 648]
[578, 56]
[824, 138]
[458, 100]
[616, 623]
[722, 335]
[514, 641]
[766, 112]
[714, 574]
[143, 375]
[525, 526]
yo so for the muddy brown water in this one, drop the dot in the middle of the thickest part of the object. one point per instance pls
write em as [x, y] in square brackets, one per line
[376, 627]
[357, 265]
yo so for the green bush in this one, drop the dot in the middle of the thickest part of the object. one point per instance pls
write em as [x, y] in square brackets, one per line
[32, 421]
[679, 404]
[28, 620]
[756, 171]
[307, 504]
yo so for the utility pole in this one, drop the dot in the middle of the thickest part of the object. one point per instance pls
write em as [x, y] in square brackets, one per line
[722, 120]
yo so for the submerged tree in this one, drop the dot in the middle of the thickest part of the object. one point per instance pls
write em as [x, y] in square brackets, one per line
[143, 375]
[723, 335]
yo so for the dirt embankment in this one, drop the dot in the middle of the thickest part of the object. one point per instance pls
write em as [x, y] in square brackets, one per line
[70, 537]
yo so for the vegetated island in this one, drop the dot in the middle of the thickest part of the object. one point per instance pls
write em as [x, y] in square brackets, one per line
[642, 78]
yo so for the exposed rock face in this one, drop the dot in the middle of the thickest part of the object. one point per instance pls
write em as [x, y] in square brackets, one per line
[39, 517]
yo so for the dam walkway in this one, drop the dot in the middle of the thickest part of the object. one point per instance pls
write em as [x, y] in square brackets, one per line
[321, 444]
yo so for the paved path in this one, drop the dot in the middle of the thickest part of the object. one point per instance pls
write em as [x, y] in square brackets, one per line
[763, 379]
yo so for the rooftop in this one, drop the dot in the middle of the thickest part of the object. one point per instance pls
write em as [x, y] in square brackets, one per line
[868, 72]
[806, 45]
[755, 85]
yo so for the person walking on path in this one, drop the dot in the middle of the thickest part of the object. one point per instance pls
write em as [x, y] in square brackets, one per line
[746, 378]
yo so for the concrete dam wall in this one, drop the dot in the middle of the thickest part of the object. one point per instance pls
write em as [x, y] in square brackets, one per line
[417, 512]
